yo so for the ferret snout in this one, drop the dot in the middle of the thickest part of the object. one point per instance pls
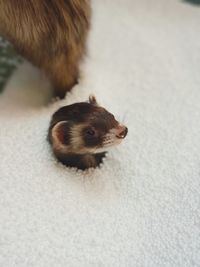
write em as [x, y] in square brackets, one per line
[121, 132]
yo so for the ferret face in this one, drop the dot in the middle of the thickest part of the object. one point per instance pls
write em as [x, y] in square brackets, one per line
[85, 128]
[101, 131]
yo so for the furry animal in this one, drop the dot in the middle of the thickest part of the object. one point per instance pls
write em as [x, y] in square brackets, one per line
[50, 33]
[80, 134]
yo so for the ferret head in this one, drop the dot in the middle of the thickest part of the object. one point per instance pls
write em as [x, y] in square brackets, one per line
[85, 128]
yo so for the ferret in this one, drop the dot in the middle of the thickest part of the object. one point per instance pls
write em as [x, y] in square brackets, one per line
[81, 133]
[50, 33]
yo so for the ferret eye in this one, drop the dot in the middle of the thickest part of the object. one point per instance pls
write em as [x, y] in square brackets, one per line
[90, 132]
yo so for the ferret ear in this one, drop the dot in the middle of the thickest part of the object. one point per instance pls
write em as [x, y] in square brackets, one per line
[92, 100]
[61, 133]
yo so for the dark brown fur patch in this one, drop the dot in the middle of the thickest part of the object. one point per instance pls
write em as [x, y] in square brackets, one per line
[81, 162]
[84, 112]
[50, 33]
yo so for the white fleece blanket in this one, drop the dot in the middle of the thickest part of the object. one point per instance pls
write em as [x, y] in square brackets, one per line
[142, 208]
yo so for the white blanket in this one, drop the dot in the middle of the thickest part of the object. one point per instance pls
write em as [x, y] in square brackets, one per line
[142, 208]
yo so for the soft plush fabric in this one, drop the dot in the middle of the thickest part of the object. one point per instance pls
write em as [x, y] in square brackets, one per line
[142, 208]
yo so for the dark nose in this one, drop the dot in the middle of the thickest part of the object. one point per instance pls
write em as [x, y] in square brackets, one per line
[122, 132]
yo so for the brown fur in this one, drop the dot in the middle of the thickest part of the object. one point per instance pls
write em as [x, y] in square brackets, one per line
[50, 33]
[81, 133]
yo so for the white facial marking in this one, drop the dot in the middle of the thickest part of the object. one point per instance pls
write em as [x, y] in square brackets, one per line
[76, 140]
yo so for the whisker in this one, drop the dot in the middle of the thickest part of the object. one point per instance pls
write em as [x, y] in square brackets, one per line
[108, 144]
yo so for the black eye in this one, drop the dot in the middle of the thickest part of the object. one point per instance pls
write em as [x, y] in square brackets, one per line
[90, 132]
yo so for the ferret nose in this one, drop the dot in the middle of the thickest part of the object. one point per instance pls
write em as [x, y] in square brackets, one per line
[122, 132]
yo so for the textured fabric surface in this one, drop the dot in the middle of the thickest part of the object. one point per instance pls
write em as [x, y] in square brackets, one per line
[142, 208]
[8, 61]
